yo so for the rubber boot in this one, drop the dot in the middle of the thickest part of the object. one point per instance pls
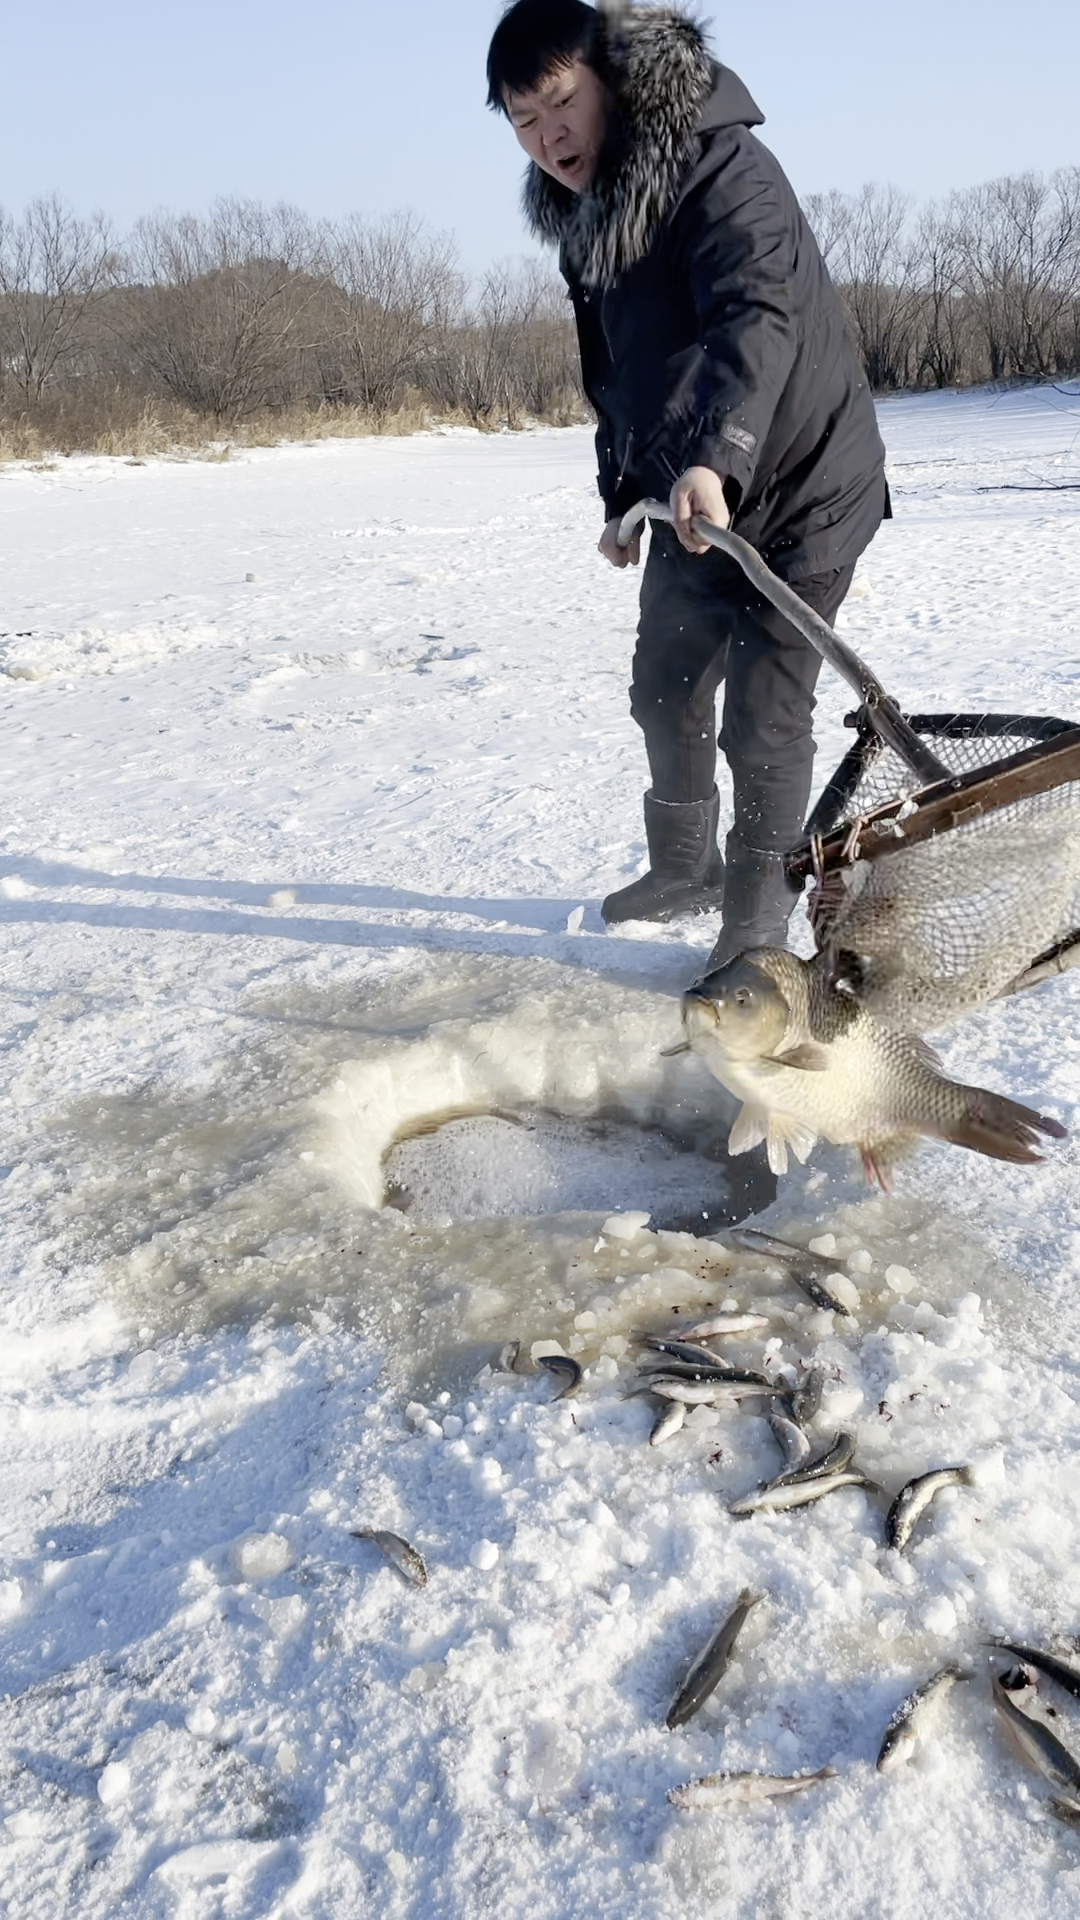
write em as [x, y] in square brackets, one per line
[758, 902]
[686, 872]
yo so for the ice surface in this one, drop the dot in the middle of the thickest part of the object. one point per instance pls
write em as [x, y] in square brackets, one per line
[291, 873]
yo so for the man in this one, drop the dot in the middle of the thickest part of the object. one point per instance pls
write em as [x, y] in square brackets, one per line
[714, 350]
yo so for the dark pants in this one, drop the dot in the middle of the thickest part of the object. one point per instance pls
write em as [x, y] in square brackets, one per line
[702, 622]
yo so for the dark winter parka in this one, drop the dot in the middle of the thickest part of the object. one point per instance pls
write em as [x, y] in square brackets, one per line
[710, 332]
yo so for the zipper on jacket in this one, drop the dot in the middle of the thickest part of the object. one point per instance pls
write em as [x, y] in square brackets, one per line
[625, 460]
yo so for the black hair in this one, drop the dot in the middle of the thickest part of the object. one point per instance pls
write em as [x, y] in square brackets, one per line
[534, 38]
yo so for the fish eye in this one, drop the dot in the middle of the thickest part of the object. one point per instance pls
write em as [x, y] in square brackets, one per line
[744, 996]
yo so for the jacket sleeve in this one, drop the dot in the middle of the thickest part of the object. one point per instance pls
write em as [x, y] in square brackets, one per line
[741, 254]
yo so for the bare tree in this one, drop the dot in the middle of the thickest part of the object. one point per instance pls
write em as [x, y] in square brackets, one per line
[218, 309]
[1020, 239]
[944, 315]
[873, 266]
[54, 266]
[830, 216]
[393, 291]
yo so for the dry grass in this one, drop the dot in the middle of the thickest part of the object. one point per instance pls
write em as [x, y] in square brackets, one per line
[119, 424]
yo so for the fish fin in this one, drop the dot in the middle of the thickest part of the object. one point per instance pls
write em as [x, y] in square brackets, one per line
[807, 1057]
[776, 1151]
[748, 1130]
[1001, 1128]
[786, 1131]
[880, 1161]
[669, 1053]
[924, 1052]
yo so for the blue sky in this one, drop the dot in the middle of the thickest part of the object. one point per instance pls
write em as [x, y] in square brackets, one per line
[373, 106]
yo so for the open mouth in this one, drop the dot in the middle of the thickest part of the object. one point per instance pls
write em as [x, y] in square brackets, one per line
[569, 162]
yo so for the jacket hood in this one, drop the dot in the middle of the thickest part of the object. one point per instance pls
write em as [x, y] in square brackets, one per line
[668, 91]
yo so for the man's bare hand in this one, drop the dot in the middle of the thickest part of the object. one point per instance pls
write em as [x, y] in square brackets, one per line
[699, 491]
[611, 550]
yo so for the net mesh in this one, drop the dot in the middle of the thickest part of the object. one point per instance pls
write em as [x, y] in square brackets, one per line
[942, 926]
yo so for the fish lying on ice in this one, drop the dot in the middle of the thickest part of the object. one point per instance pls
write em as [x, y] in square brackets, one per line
[783, 1495]
[1035, 1743]
[912, 1501]
[669, 1420]
[790, 1038]
[712, 1662]
[727, 1790]
[1048, 1663]
[563, 1368]
[398, 1551]
[835, 1459]
[906, 1726]
[808, 1270]
[789, 1436]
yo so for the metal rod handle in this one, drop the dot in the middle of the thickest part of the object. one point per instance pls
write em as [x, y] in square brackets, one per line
[885, 716]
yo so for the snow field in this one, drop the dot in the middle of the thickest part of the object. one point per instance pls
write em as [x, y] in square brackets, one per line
[290, 868]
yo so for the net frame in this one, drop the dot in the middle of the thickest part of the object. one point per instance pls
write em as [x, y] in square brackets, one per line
[875, 805]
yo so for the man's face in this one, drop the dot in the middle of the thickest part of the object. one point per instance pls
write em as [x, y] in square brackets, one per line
[561, 123]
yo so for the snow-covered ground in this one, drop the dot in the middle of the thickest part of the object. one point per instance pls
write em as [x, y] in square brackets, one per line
[313, 759]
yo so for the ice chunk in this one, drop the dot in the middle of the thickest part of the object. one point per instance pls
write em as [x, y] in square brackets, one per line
[259, 1556]
[574, 919]
[215, 1860]
[487, 1474]
[285, 1758]
[845, 1290]
[841, 1403]
[540, 1347]
[899, 1279]
[939, 1615]
[484, 1555]
[825, 1244]
[201, 1721]
[625, 1226]
[11, 1594]
[114, 1783]
[988, 1469]
[860, 1261]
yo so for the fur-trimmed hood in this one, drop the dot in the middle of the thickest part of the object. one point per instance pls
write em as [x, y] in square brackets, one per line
[668, 91]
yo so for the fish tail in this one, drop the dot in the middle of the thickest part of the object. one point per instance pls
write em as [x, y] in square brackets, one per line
[1000, 1128]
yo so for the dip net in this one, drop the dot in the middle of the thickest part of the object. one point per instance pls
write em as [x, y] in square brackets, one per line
[942, 897]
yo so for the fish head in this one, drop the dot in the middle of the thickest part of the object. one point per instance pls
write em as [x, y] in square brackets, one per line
[738, 1010]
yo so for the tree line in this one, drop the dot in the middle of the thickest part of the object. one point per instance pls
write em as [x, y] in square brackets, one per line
[253, 313]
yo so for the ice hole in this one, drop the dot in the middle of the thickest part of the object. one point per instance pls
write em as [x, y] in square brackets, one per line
[491, 1166]
[562, 1099]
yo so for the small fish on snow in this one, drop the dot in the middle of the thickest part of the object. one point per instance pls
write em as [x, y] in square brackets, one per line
[1035, 1743]
[905, 1729]
[669, 1420]
[727, 1790]
[912, 1501]
[808, 1270]
[1066, 1676]
[398, 1551]
[725, 1323]
[712, 1662]
[790, 1038]
[783, 1495]
[563, 1368]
